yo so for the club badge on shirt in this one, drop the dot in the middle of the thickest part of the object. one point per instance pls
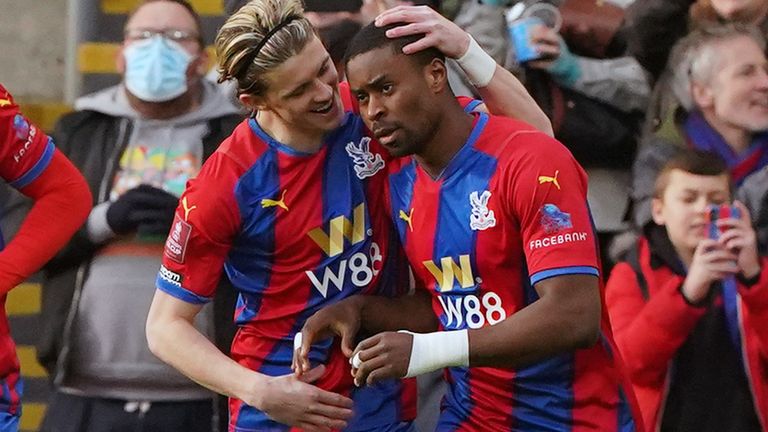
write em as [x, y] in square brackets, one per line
[481, 218]
[366, 163]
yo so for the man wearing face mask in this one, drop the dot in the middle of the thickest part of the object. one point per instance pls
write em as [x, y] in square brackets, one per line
[137, 144]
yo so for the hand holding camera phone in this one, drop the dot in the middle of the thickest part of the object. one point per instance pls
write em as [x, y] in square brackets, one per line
[717, 212]
[731, 226]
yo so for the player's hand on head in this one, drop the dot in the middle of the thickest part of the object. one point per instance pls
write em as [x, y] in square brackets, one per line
[739, 237]
[341, 319]
[296, 402]
[711, 262]
[381, 357]
[439, 32]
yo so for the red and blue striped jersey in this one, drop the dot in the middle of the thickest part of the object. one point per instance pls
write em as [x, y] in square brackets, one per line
[508, 211]
[294, 232]
[25, 152]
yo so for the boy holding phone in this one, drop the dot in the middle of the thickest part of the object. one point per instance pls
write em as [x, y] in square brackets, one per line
[689, 306]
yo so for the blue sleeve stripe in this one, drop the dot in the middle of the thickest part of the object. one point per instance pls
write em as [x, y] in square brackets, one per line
[472, 105]
[37, 169]
[562, 271]
[179, 292]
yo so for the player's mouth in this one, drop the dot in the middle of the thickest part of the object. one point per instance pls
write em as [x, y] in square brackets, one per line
[385, 135]
[326, 108]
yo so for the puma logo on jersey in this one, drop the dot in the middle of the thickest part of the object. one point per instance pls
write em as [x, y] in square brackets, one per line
[266, 202]
[407, 218]
[548, 179]
[187, 208]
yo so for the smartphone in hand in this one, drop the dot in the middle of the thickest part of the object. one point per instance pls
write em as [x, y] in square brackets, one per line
[717, 212]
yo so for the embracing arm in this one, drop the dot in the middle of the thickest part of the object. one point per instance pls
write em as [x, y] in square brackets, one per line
[174, 339]
[566, 317]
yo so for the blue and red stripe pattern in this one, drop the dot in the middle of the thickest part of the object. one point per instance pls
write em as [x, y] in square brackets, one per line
[294, 232]
[507, 212]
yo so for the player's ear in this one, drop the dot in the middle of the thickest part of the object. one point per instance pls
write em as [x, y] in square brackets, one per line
[253, 102]
[436, 74]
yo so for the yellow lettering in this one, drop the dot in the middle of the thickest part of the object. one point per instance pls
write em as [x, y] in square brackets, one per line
[449, 270]
[340, 228]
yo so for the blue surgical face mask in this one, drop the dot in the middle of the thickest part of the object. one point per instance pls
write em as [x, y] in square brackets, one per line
[156, 69]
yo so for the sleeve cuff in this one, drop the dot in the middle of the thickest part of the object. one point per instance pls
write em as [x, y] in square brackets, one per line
[563, 271]
[37, 169]
[97, 227]
[169, 282]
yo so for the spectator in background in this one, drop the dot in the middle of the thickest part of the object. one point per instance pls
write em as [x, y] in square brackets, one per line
[690, 313]
[653, 28]
[138, 143]
[30, 163]
[721, 80]
[597, 106]
[656, 25]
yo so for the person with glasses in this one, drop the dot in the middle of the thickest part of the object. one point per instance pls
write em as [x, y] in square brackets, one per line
[137, 144]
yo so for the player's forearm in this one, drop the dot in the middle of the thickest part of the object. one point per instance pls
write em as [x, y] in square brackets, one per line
[527, 337]
[177, 342]
[559, 322]
[408, 312]
[505, 95]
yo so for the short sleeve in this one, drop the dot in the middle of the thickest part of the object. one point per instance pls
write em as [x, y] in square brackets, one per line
[549, 199]
[25, 150]
[207, 221]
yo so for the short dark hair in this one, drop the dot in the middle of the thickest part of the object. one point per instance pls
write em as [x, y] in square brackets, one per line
[186, 5]
[371, 37]
[691, 161]
[336, 37]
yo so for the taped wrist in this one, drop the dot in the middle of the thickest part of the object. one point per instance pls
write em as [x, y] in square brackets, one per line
[433, 351]
[477, 64]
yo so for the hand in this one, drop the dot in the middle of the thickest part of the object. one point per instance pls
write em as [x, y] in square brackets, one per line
[382, 357]
[547, 43]
[293, 401]
[439, 32]
[149, 207]
[739, 237]
[340, 319]
[711, 262]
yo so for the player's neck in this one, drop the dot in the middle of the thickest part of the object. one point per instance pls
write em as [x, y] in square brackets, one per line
[299, 139]
[451, 134]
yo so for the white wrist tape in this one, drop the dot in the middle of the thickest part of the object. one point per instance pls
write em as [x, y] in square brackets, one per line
[477, 64]
[433, 351]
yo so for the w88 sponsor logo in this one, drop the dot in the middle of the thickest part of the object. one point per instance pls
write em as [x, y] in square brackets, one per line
[359, 269]
[473, 310]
